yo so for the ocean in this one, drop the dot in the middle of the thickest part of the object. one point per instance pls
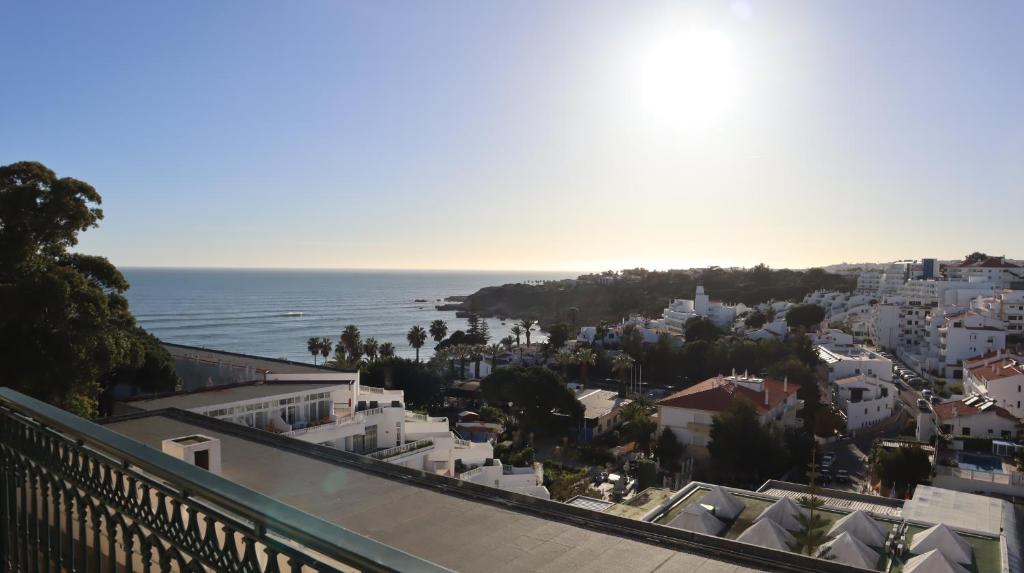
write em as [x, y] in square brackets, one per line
[272, 312]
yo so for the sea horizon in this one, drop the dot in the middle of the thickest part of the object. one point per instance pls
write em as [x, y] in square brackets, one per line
[272, 312]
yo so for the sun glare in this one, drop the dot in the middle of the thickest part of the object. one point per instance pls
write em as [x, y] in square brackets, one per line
[688, 78]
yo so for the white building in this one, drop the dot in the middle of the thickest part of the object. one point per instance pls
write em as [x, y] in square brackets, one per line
[865, 400]
[1003, 305]
[852, 361]
[680, 310]
[966, 334]
[869, 282]
[335, 410]
[975, 417]
[688, 413]
[992, 270]
[998, 376]
[602, 409]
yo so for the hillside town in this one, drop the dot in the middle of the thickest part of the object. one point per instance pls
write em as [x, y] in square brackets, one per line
[881, 410]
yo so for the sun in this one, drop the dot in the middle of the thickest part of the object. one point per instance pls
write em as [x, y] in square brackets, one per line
[688, 78]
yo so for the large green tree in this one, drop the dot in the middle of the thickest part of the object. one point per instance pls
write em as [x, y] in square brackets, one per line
[743, 452]
[65, 328]
[539, 397]
[805, 316]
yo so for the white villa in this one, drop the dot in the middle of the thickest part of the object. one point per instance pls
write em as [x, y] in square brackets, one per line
[998, 376]
[335, 410]
[680, 310]
[844, 362]
[688, 413]
[864, 400]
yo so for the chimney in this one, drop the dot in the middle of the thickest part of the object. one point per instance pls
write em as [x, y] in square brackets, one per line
[785, 384]
[733, 373]
[765, 394]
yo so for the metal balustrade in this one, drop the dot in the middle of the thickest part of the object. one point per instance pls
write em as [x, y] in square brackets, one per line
[75, 496]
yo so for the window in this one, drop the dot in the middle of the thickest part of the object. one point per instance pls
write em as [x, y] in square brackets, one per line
[1005, 433]
[965, 431]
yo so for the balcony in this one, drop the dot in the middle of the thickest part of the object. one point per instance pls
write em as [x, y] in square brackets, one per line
[390, 454]
[76, 496]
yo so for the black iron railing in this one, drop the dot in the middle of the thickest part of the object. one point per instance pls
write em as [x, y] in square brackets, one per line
[75, 496]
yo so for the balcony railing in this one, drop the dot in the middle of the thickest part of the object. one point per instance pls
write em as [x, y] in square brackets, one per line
[357, 418]
[75, 496]
[402, 449]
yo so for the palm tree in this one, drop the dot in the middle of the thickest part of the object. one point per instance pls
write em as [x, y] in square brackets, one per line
[416, 337]
[565, 358]
[386, 350]
[601, 332]
[438, 330]
[493, 350]
[370, 348]
[507, 342]
[622, 363]
[517, 332]
[313, 346]
[476, 354]
[527, 326]
[461, 352]
[351, 341]
[325, 346]
[585, 357]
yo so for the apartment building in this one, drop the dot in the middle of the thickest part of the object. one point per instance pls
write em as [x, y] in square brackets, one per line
[335, 410]
[688, 413]
[965, 334]
[852, 361]
[1004, 305]
[864, 400]
[995, 270]
[998, 376]
[680, 310]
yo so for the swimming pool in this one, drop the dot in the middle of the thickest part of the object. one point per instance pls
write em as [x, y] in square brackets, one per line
[979, 462]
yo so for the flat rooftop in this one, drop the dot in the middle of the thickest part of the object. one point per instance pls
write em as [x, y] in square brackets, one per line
[229, 394]
[450, 530]
[597, 403]
[257, 363]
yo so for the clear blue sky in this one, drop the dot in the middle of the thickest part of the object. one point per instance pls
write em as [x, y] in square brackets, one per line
[478, 135]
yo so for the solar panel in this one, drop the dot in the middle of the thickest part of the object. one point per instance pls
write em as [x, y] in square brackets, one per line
[986, 406]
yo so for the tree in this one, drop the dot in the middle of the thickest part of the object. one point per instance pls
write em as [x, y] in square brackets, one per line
[516, 332]
[421, 386]
[755, 319]
[903, 467]
[476, 354]
[527, 327]
[743, 452]
[585, 357]
[565, 359]
[313, 346]
[416, 337]
[806, 316]
[700, 328]
[387, 350]
[351, 342]
[621, 364]
[484, 332]
[637, 424]
[493, 350]
[668, 450]
[438, 330]
[507, 342]
[813, 532]
[370, 348]
[632, 341]
[65, 326]
[325, 347]
[975, 257]
[558, 334]
[538, 395]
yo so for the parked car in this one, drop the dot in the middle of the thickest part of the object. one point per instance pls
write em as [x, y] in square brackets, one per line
[922, 403]
[936, 399]
[926, 392]
[842, 476]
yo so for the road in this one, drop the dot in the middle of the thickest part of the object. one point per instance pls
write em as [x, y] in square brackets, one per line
[852, 454]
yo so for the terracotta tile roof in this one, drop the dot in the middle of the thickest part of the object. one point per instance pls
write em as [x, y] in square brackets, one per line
[718, 393]
[1004, 368]
[981, 357]
[944, 411]
[991, 263]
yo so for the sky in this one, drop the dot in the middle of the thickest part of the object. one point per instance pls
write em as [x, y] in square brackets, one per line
[583, 135]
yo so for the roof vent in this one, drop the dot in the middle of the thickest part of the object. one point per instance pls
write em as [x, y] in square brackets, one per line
[196, 449]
